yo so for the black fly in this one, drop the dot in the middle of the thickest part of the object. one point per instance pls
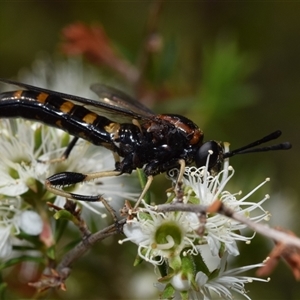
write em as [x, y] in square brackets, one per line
[137, 137]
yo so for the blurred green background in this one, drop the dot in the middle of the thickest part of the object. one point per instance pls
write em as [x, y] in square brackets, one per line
[232, 67]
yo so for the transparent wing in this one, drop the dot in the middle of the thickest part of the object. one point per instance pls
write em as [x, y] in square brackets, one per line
[121, 101]
[113, 104]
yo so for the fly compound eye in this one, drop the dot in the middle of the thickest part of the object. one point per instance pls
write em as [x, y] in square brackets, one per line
[211, 149]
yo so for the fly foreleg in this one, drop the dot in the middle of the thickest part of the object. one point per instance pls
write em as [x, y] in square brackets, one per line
[178, 185]
[146, 188]
[155, 169]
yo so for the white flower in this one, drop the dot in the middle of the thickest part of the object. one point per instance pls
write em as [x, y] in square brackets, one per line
[23, 156]
[224, 282]
[86, 158]
[30, 222]
[69, 75]
[13, 220]
[27, 146]
[5, 241]
[173, 239]
[20, 165]
[20, 151]
[162, 236]
[199, 284]
[73, 77]
[220, 229]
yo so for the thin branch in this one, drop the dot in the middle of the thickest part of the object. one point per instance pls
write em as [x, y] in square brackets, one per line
[220, 208]
[75, 253]
[63, 269]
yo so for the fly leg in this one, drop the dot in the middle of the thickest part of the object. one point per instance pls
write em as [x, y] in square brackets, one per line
[146, 188]
[65, 154]
[178, 179]
[154, 168]
[69, 178]
[178, 185]
[68, 149]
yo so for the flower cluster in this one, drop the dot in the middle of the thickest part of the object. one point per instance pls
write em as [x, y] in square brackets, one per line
[26, 151]
[191, 251]
[194, 259]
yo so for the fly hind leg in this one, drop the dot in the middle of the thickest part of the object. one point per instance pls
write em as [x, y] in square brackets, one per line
[70, 178]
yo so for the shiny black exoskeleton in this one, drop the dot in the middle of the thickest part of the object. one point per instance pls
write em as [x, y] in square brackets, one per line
[157, 144]
[137, 137]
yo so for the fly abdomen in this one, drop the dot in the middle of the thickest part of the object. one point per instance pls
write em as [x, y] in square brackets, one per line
[57, 112]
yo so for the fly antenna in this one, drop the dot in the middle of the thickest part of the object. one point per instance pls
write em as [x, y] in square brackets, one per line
[249, 148]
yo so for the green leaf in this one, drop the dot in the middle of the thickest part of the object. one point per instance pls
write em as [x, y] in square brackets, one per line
[166, 62]
[143, 180]
[65, 140]
[60, 227]
[224, 86]
[145, 216]
[138, 260]
[23, 248]
[17, 260]
[33, 239]
[37, 138]
[200, 265]
[168, 292]
[51, 252]
[175, 263]
[163, 269]
[65, 214]
[184, 295]
[193, 200]
[3, 287]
